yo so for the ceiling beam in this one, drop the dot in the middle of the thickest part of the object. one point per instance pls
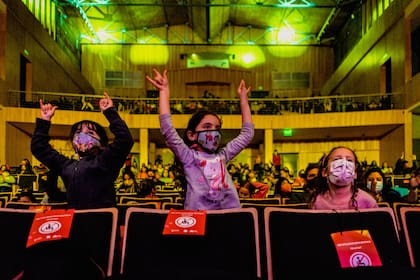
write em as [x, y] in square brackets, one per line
[207, 4]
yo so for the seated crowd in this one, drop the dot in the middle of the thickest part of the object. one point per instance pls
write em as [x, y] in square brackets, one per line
[261, 106]
[261, 180]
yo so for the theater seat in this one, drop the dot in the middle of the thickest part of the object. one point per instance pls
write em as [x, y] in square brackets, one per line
[299, 240]
[92, 234]
[410, 221]
[228, 250]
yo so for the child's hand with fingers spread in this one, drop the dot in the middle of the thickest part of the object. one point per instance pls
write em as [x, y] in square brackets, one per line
[243, 90]
[47, 110]
[160, 81]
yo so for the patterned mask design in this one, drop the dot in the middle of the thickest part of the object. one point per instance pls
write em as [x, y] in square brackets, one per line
[209, 140]
[85, 144]
[341, 172]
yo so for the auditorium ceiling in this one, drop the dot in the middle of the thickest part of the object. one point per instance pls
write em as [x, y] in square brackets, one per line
[259, 22]
[215, 22]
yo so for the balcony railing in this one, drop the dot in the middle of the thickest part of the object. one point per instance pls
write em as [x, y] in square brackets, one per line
[259, 106]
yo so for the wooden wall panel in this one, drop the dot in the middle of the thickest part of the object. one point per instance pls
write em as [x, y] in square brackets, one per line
[392, 146]
[53, 69]
[17, 146]
[2, 41]
[313, 59]
[313, 152]
[366, 73]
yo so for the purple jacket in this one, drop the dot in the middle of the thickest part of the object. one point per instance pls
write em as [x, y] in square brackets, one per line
[209, 184]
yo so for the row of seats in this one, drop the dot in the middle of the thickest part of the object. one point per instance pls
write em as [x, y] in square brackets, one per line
[159, 197]
[287, 244]
[6, 197]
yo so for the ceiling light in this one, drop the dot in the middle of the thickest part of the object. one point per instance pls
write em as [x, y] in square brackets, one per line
[286, 35]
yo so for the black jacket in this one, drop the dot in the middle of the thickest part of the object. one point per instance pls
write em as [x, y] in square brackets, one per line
[89, 181]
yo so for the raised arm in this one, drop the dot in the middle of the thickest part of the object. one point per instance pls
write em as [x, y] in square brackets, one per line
[105, 102]
[47, 110]
[160, 81]
[243, 92]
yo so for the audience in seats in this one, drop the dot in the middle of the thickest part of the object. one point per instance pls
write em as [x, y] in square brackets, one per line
[299, 180]
[148, 189]
[258, 168]
[159, 169]
[386, 169]
[339, 185]
[6, 179]
[143, 172]
[203, 160]
[25, 197]
[310, 176]
[130, 164]
[167, 176]
[240, 173]
[276, 160]
[283, 186]
[403, 167]
[414, 186]
[4, 167]
[253, 188]
[380, 187]
[129, 183]
[25, 167]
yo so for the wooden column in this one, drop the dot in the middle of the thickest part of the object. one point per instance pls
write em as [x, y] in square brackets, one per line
[408, 135]
[268, 144]
[144, 145]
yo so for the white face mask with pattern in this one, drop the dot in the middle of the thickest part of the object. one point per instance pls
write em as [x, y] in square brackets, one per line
[379, 186]
[341, 172]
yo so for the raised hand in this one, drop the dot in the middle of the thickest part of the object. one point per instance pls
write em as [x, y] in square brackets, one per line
[105, 102]
[160, 81]
[47, 110]
[243, 90]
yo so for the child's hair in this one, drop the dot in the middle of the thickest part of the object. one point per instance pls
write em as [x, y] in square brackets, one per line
[93, 126]
[28, 194]
[194, 121]
[129, 172]
[146, 187]
[322, 182]
[309, 167]
[245, 189]
[387, 181]
[374, 169]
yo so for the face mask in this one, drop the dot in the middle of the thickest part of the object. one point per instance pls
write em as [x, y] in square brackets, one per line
[379, 186]
[85, 144]
[209, 140]
[341, 172]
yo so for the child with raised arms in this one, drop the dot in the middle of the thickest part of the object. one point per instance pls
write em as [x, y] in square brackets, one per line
[209, 184]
